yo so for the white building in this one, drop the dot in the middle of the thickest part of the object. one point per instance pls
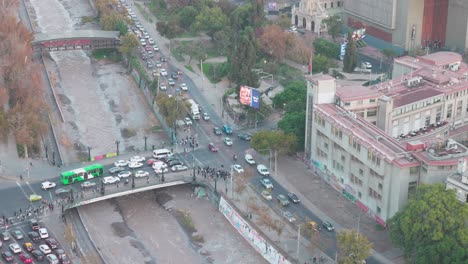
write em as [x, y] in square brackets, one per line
[459, 181]
[309, 14]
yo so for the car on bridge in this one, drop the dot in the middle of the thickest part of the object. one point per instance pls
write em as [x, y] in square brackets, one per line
[114, 170]
[141, 174]
[48, 185]
[124, 174]
[88, 184]
[135, 165]
[121, 163]
[110, 180]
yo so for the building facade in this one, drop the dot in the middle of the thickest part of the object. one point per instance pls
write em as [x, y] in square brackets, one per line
[309, 14]
[459, 181]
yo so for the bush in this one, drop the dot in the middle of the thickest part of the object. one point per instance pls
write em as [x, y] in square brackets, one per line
[107, 54]
[215, 71]
[327, 48]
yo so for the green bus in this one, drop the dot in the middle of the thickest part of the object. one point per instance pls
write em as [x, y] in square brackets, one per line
[81, 174]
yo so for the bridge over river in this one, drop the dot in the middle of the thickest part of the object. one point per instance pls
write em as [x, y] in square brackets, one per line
[73, 40]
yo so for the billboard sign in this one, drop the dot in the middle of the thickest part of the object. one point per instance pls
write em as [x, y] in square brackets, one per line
[249, 96]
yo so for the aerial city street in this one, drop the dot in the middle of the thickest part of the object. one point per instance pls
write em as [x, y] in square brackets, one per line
[154, 131]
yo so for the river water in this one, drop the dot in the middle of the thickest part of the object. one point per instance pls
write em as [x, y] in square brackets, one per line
[99, 99]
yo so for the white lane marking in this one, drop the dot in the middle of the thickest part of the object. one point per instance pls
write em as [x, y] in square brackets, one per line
[25, 195]
[29, 186]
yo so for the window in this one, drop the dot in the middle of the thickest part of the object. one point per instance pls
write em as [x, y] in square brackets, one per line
[428, 121]
[378, 209]
[414, 170]
[412, 188]
[342, 180]
[361, 172]
[380, 186]
[372, 113]
[325, 5]
[343, 158]
[449, 111]
[359, 194]
[371, 100]
[347, 103]
[331, 4]
[338, 3]
[359, 102]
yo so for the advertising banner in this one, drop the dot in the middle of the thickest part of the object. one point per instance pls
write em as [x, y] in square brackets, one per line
[249, 96]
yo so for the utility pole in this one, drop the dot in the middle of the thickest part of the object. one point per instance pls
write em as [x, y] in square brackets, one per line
[276, 159]
[232, 194]
[89, 153]
[298, 239]
[146, 138]
[117, 143]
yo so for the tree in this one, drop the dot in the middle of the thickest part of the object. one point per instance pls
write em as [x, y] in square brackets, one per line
[121, 26]
[353, 247]
[172, 108]
[295, 90]
[128, 43]
[389, 54]
[350, 59]
[211, 20]
[273, 42]
[334, 25]
[242, 59]
[294, 123]
[433, 227]
[276, 141]
[109, 21]
[298, 50]
[320, 64]
[187, 16]
[326, 48]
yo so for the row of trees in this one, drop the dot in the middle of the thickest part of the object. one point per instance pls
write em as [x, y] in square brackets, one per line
[21, 96]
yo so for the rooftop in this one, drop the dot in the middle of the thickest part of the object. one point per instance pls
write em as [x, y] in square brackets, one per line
[366, 134]
[99, 34]
[357, 92]
[441, 58]
[319, 77]
[414, 95]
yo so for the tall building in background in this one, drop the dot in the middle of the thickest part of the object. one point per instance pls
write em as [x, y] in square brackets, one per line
[410, 24]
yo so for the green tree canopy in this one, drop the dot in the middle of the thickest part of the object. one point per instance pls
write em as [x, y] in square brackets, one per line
[433, 227]
[295, 90]
[242, 58]
[294, 123]
[350, 58]
[320, 64]
[326, 48]
[334, 25]
[211, 20]
[353, 247]
[273, 140]
[128, 43]
[187, 16]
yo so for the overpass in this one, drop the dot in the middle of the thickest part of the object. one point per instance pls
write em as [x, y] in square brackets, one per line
[73, 40]
[135, 185]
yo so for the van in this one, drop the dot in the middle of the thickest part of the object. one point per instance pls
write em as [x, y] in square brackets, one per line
[161, 153]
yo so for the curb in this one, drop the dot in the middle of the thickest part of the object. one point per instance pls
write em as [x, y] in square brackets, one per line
[90, 237]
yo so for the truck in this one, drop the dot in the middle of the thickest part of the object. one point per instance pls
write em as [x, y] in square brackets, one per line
[194, 109]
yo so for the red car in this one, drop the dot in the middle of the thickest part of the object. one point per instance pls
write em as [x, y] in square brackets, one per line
[151, 161]
[52, 243]
[147, 48]
[212, 147]
[26, 258]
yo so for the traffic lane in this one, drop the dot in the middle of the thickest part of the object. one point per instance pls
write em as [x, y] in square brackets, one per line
[21, 192]
[378, 65]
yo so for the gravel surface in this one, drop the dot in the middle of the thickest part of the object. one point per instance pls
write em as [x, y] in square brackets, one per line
[138, 227]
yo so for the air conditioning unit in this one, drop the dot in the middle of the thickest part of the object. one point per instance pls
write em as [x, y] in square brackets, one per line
[451, 144]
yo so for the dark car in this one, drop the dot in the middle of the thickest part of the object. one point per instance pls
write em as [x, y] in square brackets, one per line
[328, 226]
[174, 162]
[174, 76]
[246, 136]
[52, 243]
[217, 131]
[34, 236]
[62, 256]
[38, 254]
[168, 159]
[7, 256]
[294, 198]
[26, 258]
[163, 59]
[227, 129]
[212, 147]
[17, 234]
[62, 191]
[34, 224]
[114, 170]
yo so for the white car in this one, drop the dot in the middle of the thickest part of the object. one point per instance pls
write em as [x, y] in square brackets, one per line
[267, 183]
[15, 248]
[366, 65]
[179, 168]
[262, 169]
[158, 64]
[238, 168]
[143, 43]
[160, 170]
[52, 259]
[110, 180]
[151, 41]
[124, 174]
[135, 165]
[48, 185]
[163, 87]
[155, 73]
[228, 141]
[43, 233]
[121, 163]
[163, 72]
[141, 174]
[159, 164]
[206, 116]
[137, 159]
[187, 121]
[45, 249]
[249, 159]
[155, 48]
[183, 86]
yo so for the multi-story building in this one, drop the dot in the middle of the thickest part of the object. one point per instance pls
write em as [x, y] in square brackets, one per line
[458, 181]
[370, 166]
[309, 14]
[409, 24]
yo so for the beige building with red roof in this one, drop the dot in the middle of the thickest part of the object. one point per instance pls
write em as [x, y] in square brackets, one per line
[377, 144]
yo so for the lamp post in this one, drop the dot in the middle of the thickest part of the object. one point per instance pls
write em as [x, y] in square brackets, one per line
[146, 138]
[117, 144]
[89, 153]
[72, 197]
[133, 180]
[194, 179]
[53, 158]
[103, 190]
[162, 175]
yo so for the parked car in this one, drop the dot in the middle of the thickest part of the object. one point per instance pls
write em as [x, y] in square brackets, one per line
[52, 243]
[121, 163]
[114, 170]
[212, 147]
[88, 184]
[158, 64]
[206, 117]
[5, 236]
[328, 226]
[262, 169]
[48, 185]
[293, 198]
[246, 136]
[38, 254]
[289, 216]
[217, 131]
[26, 258]
[163, 72]
[135, 165]
[137, 159]
[7, 256]
[162, 87]
[15, 248]
[149, 64]
[267, 183]
[267, 195]
[34, 236]
[151, 161]
[171, 82]
[283, 200]
[163, 59]
[228, 141]
[249, 159]
[173, 163]
[179, 168]
[45, 249]
[156, 48]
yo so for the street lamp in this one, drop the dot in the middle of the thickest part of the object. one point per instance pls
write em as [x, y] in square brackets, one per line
[146, 138]
[162, 175]
[133, 180]
[103, 191]
[89, 153]
[117, 144]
